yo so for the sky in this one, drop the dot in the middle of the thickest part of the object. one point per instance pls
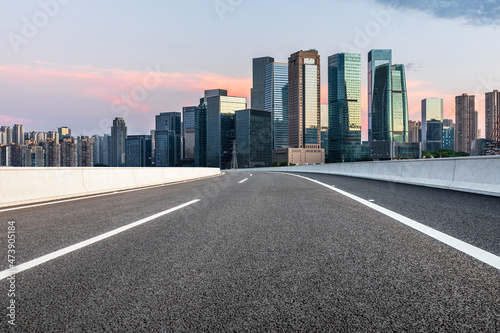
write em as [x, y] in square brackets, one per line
[83, 63]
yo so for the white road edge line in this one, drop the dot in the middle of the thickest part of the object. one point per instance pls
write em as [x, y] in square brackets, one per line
[244, 180]
[106, 194]
[471, 250]
[43, 259]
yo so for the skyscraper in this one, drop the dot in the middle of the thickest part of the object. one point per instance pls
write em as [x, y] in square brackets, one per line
[448, 134]
[259, 78]
[344, 107]
[118, 136]
[168, 139]
[200, 124]
[220, 129]
[18, 134]
[64, 132]
[304, 113]
[387, 104]
[138, 151]
[8, 134]
[276, 101]
[492, 113]
[432, 124]
[465, 119]
[188, 130]
[414, 130]
[253, 138]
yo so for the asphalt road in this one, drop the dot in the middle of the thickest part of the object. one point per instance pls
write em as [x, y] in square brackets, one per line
[275, 253]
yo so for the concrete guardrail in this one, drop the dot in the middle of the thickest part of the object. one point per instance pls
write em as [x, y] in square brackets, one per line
[469, 174]
[19, 186]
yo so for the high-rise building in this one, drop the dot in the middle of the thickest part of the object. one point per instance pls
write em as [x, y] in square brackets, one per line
[276, 101]
[414, 130]
[64, 132]
[448, 134]
[466, 122]
[324, 129]
[7, 135]
[220, 129]
[465, 126]
[85, 152]
[432, 124]
[304, 112]
[259, 78]
[168, 139]
[253, 138]
[476, 125]
[138, 149]
[5, 155]
[54, 135]
[188, 131]
[387, 104]
[200, 123]
[118, 136]
[52, 153]
[492, 113]
[18, 134]
[344, 107]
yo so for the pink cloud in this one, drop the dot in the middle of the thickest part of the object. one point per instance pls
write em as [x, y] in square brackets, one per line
[10, 121]
[118, 86]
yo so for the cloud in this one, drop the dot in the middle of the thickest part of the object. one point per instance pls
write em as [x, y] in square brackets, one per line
[114, 85]
[478, 12]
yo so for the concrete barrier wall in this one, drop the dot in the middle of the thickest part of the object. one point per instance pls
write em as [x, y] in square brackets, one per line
[469, 174]
[20, 186]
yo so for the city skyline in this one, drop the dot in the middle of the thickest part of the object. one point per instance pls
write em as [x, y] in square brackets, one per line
[75, 78]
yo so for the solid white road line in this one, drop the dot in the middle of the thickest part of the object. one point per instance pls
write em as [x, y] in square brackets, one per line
[69, 249]
[106, 194]
[471, 250]
[244, 180]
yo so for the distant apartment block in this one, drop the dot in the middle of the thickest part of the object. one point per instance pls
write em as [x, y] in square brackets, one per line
[465, 126]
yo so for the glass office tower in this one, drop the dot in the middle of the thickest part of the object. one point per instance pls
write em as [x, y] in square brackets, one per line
[253, 138]
[304, 115]
[344, 107]
[259, 69]
[432, 124]
[220, 129]
[276, 101]
[387, 104]
[168, 139]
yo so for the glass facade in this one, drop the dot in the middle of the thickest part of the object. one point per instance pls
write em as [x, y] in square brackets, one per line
[304, 126]
[200, 147]
[344, 108]
[168, 139]
[259, 70]
[118, 136]
[387, 100]
[188, 131]
[311, 105]
[276, 101]
[432, 124]
[220, 129]
[253, 138]
[138, 151]
[448, 134]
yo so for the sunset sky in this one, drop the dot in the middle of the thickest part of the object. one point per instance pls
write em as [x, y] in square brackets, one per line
[82, 63]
